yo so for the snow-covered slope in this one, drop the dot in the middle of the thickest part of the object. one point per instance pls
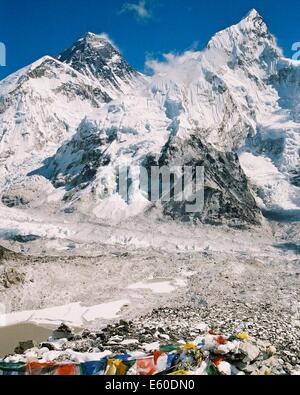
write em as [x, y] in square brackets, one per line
[221, 92]
[238, 95]
[42, 105]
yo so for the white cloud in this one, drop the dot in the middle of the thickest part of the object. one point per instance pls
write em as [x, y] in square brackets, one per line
[109, 39]
[140, 10]
[182, 69]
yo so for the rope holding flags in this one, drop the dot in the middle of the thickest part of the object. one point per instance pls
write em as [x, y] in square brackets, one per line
[211, 355]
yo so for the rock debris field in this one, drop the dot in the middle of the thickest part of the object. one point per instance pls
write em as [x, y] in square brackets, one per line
[204, 298]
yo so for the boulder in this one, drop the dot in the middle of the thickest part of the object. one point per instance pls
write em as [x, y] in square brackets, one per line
[24, 346]
[249, 351]
[63, 332]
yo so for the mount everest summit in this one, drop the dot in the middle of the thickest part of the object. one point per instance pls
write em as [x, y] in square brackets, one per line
[67, 123]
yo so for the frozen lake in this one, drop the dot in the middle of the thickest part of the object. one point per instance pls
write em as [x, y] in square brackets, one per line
[10, 336]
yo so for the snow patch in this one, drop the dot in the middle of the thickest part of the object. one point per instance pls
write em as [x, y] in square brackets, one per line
[73, 314]
[159, 286]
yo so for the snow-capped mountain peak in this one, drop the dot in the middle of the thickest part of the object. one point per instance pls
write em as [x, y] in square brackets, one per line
[253, 21]
[253, 16]
[249, 41]
[91, 40]
[96, 39]
[95, 56]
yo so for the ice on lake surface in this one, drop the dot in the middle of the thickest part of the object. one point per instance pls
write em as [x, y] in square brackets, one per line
[74, 314]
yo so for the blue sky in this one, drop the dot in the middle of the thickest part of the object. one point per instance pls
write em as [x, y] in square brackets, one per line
[140, 28]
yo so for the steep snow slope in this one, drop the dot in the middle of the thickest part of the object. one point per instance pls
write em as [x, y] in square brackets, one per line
[286, 81]
[222, 92]
[40, 107]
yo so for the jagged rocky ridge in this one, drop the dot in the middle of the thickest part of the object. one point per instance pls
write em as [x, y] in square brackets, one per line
[238, 96]
[95, 56]
[227, 194]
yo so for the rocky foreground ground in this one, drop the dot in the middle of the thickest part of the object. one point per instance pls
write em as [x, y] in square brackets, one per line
[233, 339]
[249, 291]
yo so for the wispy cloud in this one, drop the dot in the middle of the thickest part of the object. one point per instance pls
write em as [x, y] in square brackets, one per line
[140, 10]
[180, 69]
[109, 39]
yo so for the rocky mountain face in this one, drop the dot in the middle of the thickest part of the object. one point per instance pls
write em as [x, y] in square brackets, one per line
[96, 57]
[232, 108]
[227, 196]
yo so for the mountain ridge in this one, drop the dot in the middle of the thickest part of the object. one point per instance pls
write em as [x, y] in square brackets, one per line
[233, 97]
[96, 57]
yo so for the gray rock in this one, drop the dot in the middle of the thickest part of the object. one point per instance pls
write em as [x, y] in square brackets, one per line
[227, 194]
[12, 277]
[63, 332]
[24, 346]
[250, 352]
